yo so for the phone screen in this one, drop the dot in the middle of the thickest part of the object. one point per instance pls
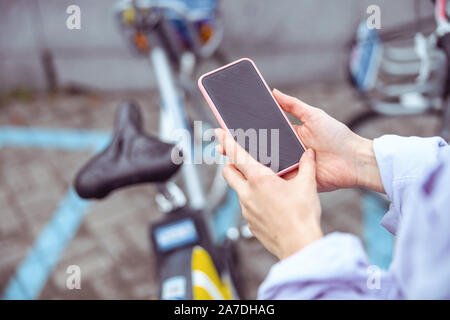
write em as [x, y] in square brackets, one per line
[246, 106]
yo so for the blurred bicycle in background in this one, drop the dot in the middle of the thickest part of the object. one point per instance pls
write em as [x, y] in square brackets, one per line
[400, 74]
[193, 243]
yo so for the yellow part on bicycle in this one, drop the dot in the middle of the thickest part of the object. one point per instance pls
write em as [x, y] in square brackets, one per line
[128, 16]
[206, 283]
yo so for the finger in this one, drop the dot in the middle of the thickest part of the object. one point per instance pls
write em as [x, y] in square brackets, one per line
[219, 149]
[307, 168]
[293, 105]
[234, 178]
[240, 158]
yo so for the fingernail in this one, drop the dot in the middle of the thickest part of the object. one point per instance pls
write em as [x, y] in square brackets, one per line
[276, 90]
[311, 154]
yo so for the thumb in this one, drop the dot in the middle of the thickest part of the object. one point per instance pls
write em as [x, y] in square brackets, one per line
[293, 105]
[307, 168]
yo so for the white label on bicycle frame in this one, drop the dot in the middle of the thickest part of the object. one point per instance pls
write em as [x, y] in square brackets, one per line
[174, 288]
[176, 234]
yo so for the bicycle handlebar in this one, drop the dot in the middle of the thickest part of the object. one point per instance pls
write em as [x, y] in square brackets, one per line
[160, 10]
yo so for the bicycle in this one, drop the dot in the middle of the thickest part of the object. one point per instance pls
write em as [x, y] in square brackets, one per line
[194, 244]
[401, 74]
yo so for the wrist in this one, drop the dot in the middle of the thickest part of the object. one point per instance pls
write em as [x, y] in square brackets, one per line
[303, 237]
[366, 167]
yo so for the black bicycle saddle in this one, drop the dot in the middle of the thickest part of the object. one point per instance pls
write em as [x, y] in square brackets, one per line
[132, 157]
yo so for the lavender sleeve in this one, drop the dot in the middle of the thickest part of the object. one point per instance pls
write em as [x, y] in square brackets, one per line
[403, 162]
[415, 174]
[334, 267]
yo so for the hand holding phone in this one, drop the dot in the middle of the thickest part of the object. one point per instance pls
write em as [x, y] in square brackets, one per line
[244, 105]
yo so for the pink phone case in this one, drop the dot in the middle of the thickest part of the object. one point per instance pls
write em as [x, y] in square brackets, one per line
[219, 117]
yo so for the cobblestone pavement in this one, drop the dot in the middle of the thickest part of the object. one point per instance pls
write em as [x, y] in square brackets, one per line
[111, 245]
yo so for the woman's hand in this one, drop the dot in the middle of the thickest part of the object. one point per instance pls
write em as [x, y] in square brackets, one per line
[343, 158]
[283, 214]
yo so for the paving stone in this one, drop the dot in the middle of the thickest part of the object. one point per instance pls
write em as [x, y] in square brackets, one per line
[11, 252]
[9, 221]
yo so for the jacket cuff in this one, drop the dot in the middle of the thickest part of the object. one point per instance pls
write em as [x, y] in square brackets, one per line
[402, 161]
[337, 256]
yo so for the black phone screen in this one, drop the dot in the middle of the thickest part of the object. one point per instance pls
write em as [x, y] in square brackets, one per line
[246, 106]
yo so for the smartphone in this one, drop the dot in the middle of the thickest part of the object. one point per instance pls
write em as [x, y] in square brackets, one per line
[244, 105]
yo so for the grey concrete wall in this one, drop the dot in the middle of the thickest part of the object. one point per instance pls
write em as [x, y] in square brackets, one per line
[290, 40]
